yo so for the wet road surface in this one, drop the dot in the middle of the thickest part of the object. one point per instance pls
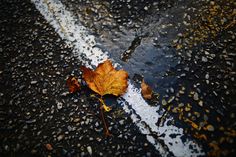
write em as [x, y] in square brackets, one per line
[36, 108]
[185, 50]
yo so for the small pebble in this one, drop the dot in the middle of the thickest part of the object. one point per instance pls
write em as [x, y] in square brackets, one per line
[60, 137]
[195, 97]
[164, 102]
[89, 149]
[33, 82]
[59, 105]
[44, 91]
[200, 103]
[76, 120]
[145, 8]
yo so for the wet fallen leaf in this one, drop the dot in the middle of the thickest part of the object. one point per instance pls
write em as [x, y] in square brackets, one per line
[48, 147]
[230, 132]
[194, 125]
[146, 90]
[209, 128]
[200, 136]
[73, 84]
[106, 79]
[216, 150]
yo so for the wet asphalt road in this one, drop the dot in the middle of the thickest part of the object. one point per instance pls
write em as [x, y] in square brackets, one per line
[36, 108]
[192, 67]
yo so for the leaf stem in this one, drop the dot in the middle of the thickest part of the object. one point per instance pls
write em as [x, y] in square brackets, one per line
[106, 131]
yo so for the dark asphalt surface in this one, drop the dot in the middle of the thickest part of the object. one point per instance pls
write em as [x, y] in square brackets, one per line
[198, 77]
[35, 106]
[184, 49]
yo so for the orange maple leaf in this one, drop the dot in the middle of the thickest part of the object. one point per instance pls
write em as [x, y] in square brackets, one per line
[106, 79]
[73, 84]
[146, 90]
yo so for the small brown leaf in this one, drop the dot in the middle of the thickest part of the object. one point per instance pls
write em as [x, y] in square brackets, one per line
[48, 147]
[73, 84]
[200, 136]
[209, 127]
[146, 90]
[106, 79]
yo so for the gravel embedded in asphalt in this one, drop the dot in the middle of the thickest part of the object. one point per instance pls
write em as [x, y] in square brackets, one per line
[38, 117]
[184, 49]
[191, 67]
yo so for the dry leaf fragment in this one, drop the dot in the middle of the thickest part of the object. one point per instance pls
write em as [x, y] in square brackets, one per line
[146, 90]
[230, 132]
[106, 79]
[209, 127]
[200, 136]
[48, 147]
[73, 84]
[194, 125]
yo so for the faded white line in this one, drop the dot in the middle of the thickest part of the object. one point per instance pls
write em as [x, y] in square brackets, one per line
[143, 115]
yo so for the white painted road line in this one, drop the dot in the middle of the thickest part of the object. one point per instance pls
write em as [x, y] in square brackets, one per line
[144, 116]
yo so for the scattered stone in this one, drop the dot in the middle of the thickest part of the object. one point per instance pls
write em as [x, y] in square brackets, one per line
[172, 90]
[6, 147]
[181, 92]
[89, 149]
[30, 121]
[171, 99]
[34, 151]
[33, 82]
[164, 102]
[187, 109]
[181, 105]
[65, 93]
[204, 59]
[59, 105]
[145, 8]
[60, 137]
[195, 96]
[76, 120]
[44, 91]
[200, 103]
[122, 122]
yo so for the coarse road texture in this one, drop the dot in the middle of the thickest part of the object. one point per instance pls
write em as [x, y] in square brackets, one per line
[184, 49]
[35, 106]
